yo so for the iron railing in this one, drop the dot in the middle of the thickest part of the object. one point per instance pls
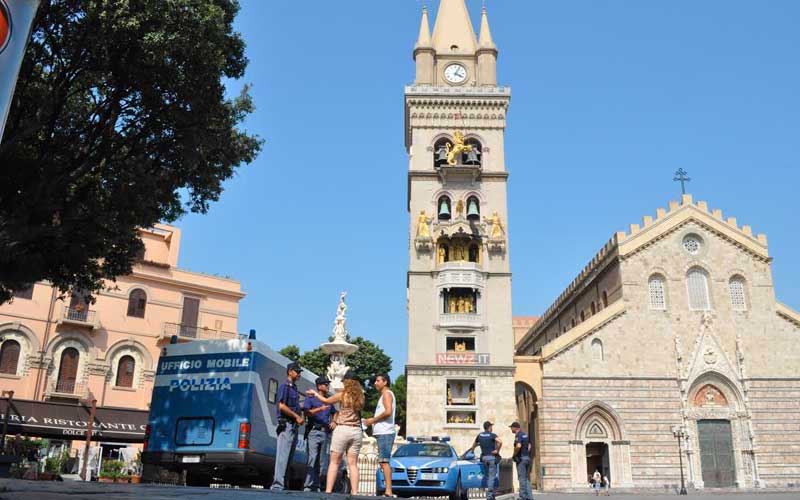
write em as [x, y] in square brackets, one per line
[81, 315]
[196, 332]
[367, 470]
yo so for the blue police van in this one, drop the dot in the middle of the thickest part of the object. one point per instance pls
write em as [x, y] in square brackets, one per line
[213, 413]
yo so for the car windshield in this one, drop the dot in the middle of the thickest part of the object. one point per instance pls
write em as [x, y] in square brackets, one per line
[424, 450]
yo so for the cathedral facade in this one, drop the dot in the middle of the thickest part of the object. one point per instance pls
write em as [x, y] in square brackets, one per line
[460, 368]
[672, 330]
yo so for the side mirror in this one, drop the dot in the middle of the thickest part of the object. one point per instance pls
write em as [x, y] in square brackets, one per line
[469, 456]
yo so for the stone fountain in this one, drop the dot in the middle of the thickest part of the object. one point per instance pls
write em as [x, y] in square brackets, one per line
[339, 348]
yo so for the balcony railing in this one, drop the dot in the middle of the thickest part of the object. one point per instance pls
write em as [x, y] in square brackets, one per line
[466, 277]
[67, 389]
[188, 332]
[461, 320]
[82, 316]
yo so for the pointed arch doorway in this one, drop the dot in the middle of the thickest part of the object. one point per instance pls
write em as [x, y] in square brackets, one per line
[600, 444]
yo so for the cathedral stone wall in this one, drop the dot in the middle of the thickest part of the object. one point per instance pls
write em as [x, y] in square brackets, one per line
[627, 382]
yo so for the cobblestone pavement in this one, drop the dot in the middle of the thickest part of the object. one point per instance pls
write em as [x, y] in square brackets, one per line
[12, 489]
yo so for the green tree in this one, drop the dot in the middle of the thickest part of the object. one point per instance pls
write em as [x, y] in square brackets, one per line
[366, 362]
[292, 352]
[119, 121]
[399, 389]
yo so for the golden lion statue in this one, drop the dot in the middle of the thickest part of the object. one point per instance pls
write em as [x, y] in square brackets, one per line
[457, 148]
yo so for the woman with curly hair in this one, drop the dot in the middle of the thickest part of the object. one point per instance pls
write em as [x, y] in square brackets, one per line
[347, 433]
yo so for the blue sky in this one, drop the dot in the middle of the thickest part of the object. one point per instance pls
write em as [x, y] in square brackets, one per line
[608, 100]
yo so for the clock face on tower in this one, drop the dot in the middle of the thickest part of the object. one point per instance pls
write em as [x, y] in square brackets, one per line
[455, 73]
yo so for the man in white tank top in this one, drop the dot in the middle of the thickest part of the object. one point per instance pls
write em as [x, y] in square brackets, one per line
[383, 427]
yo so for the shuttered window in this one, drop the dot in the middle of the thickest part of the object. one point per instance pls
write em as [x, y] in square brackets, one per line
[137, 302]
[68, 371]
[125, 369]
[9, 357]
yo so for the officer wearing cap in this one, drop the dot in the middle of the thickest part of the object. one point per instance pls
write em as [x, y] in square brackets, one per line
[490, 455]
[290, 418]
[318, 435]
[522, 457]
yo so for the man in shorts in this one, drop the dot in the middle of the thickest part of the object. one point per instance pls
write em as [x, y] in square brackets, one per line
[383, 427]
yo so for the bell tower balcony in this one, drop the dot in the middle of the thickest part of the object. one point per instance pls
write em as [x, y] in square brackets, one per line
[461, 321]
[460, 274]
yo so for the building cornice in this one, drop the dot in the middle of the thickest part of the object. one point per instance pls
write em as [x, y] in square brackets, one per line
[203, 289]
[787, 313]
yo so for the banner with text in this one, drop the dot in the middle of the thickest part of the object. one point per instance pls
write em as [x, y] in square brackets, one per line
[70, 421]
[462, 358]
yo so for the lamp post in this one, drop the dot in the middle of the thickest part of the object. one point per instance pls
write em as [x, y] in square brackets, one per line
[679, 432]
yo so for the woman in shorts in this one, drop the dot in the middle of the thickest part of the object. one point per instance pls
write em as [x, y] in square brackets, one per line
[346, 438]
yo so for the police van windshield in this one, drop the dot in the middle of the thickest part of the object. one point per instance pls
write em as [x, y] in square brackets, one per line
[424, 450]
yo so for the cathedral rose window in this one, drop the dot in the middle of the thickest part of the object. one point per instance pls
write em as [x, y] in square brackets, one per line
[692, 244]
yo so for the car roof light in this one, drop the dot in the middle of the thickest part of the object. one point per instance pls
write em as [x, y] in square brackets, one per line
[446, 439]
[410, 439]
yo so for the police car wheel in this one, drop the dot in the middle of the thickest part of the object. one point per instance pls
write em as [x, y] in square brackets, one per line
[459, 493]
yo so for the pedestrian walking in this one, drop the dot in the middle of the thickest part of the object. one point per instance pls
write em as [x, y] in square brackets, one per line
[596, 479]
[606, 485]
[522, 457]
[490, 446]
[346, 439]
[290, 418]
[319, 427]
[383, 427]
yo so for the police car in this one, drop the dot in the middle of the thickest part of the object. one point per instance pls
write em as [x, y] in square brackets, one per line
[431, 467]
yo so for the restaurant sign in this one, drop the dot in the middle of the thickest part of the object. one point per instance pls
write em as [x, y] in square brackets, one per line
[462, 358]
[71, 421]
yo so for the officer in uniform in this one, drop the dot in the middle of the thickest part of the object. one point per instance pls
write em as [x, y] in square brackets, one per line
[318, 435]
[490, 455]
[290, 418]
[522, 457]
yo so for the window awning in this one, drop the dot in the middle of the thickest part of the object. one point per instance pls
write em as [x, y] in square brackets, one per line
[70, 421]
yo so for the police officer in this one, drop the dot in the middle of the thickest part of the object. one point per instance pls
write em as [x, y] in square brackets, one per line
[522, 457]
[490, 455]
[318, 435]
[290, 418]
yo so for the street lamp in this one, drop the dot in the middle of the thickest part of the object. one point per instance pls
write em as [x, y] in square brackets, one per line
[679, 432]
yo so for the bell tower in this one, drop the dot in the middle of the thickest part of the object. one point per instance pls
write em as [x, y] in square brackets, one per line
[460, 342]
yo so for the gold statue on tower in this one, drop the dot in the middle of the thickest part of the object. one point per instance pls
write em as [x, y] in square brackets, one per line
[458, 147]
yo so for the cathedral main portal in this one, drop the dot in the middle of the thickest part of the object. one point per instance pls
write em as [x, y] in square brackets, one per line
[716, 453]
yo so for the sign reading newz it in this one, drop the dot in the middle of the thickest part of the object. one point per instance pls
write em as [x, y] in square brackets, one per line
[462, 358]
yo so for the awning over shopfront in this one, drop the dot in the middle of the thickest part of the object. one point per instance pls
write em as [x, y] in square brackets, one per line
[70, 421]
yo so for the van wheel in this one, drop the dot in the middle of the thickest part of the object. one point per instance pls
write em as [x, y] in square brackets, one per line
[198, 479]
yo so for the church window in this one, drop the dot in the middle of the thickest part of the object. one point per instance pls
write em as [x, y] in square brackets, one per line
[605, 298]
[594, 309]
[9, 357]
[692, 244]
[697, 283]
[736, 286]
[572, 323]
[597, 350]
[583, 316]
[460, 344]
[657, 295]
[445, 208]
